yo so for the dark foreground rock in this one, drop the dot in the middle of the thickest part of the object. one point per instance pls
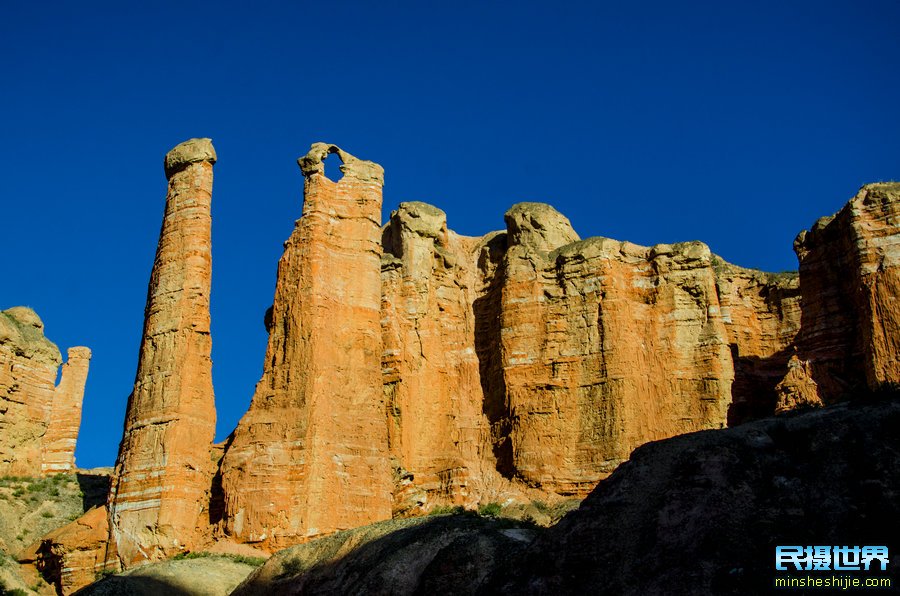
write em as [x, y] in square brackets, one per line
[702, 513]
[433, 555]
[696, 514]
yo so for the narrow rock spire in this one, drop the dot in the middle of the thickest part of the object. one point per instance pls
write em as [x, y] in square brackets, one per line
[163, 471]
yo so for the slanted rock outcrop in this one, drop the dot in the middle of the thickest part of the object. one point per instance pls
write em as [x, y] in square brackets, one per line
[311, 454]
[39, 420]
[163, 472]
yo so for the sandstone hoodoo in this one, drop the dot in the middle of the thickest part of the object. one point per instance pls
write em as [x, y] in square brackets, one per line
[409, 367]
[163, 472]
[39, 420]
[311, 455]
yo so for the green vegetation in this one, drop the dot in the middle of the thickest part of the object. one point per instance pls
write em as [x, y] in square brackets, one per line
[448, 510]
[103, 574]
[541, 506]
[252, 561]
[290, 568]
[491, 509]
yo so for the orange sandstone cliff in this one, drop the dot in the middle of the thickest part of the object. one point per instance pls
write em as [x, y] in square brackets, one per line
[850, 280]
[39, 420]
[410, 367]
[311, 454]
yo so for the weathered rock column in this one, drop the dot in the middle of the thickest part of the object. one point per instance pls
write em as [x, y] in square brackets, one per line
[310, 455]
[163, 471]
[65, 414]
[28, 366]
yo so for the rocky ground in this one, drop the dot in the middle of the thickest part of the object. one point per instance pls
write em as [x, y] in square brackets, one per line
[31, 508]
[212, 575]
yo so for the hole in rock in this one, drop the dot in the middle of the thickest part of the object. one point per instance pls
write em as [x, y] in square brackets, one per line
[333, 164]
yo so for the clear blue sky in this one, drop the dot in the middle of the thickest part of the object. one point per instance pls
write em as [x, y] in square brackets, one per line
[735, 123]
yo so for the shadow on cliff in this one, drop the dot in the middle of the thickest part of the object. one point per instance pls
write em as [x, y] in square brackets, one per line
[488, 325]
[753, 390]
[94, 489]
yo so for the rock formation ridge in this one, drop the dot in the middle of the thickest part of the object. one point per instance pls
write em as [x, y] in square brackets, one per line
[409, 367]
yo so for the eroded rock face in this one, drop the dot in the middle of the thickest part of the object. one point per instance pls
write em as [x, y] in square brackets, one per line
[762, 317]
[163, 473]
[439, 436]
[797, 389]
[65, 416]
[39, 421]
[850, 278]
[311, 454]
[605, 345]
[76, 554]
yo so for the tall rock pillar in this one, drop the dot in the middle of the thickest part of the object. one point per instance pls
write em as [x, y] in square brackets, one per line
[65, 415]
[163, 471]
[310, 455]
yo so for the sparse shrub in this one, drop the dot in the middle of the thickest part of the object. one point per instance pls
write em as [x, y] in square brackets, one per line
[104, 574]
[491, 509]
[47, 514]
[291, 567]
[541, 506]
[448, 510]
[252, 561]
[190, 555]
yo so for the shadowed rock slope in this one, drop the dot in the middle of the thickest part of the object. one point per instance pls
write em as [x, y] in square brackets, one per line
[696, 514]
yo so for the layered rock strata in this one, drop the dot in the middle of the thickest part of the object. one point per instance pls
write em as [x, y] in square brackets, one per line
[74, 555]
[605, 345]
[439, 436]
[762, 318]
[39, 421]
[163, 472]
[850, 280]
[311, 454]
